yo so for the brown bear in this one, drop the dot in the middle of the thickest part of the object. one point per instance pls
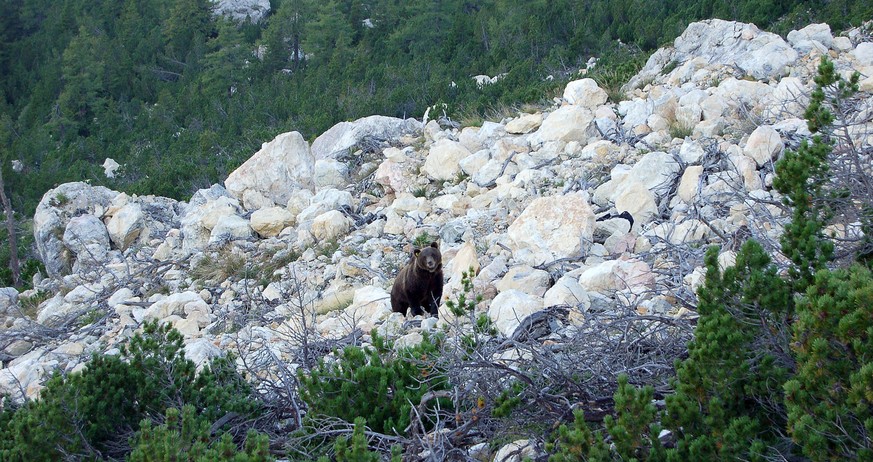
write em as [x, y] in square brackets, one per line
[419, 284]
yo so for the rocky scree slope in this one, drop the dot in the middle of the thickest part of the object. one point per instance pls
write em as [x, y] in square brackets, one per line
[305, 240]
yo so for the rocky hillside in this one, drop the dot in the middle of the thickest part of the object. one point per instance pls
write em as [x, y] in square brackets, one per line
[304, 240]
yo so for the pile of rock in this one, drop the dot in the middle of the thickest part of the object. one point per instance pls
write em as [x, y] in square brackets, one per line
[532, 203]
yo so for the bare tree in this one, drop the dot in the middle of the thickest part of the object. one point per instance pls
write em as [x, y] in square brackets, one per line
[10, 229]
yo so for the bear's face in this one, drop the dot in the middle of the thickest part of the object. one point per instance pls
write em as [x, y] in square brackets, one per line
[429, 258]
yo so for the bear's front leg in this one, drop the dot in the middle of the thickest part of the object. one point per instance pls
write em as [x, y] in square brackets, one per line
[416, 310]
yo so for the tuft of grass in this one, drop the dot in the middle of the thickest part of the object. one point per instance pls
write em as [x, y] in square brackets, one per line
[670, 67]
[679, 130]
[30, 305]
[220, 267]
[328, 248]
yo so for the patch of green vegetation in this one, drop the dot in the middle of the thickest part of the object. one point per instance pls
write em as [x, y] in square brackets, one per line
[30, 305]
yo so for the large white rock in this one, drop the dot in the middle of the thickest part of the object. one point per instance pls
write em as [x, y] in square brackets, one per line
[567, 291]
[25, 376]
[110, 166]
[622, 275]
[820, 33]
[461, 263]
[764, 145]
[789, 99]
[370, 305]
[393, 176]
[281, 166]
[526, 279]
[524, 123]
[585, 92]
[689, 183]
[243, 10]
[8, 300]
[330, 173]
[231, 228]
[510, 308]
[517, 451]
[176, 304]
[637, 200]
[330, 225]
[54, 310]
[443, 160]
[87, 238]
[270, 221]
[762, 55]
[200, 216]
[656, 171]
[55, 209]
[126, 225]
[863, 53]
[202, 351]
[341, 137]
[567, 123]
[553, 227]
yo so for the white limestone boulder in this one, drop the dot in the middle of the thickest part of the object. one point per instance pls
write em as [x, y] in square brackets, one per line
[281, 166]
[526, 279]
[270, 221]
[200, 216]
[585, 93]
[8, 301]
[330, 225]
[622, 275]
[179, 304]
[567, 123]
[567, 291]
[656, 171]
[764, 145]
[370, 305]
[393, 176]
[525, 123]
[820, 33]
[517, 451]
[689, 183]
[551, 228]
[230, 228]
[55, 209]
[443, 160]
[330, 173]
[340, 138]
[510, 308]
[243, 10]
[87, 239]
[126, 225]
[635, 198]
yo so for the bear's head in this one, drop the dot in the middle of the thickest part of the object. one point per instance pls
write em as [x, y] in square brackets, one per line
[429, 258]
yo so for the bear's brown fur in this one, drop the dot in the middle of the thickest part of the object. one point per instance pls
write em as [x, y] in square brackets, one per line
[420, 283]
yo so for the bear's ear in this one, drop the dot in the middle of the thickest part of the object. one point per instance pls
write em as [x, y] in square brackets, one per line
[435, 245]
[415, 252]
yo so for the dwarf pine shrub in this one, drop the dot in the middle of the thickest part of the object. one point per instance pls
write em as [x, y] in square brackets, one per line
[374, 383]
[94, 414]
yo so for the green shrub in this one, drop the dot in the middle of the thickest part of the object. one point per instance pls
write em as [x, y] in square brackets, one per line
[186, 437]
[355, 449]
[94, 413]
[830, 399]
[373, 383]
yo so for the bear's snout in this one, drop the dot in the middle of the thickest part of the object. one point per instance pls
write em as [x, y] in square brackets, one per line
[430, 264]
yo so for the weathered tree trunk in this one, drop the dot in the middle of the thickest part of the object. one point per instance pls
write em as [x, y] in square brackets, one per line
[10, 228]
